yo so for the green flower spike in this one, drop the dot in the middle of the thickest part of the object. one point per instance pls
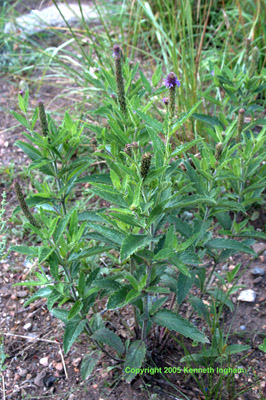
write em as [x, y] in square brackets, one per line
[145, 165]
[117, 53]
[23, 205]
[43, 119]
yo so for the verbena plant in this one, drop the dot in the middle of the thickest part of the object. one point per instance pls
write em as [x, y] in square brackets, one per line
[155, 234]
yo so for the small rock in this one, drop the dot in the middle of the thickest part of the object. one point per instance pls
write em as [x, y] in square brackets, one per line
[38, 381]
[16, 377]
[22, 293]
[59, 366]
[22, 371]
[242, 327]
[76, 362]
[49, 381]
[27, 264]
[258, 280]
[27, 327]
[44, 361]
[257, 247]
[257, 271]
[247, 295]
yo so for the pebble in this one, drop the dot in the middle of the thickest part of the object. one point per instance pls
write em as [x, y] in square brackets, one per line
[22, 293]
[257, 271]
[44, 361]
[76, 362]
[258, 280]
[22, 371]
[38, 381]
[27, 327]
[247, 295]
[257, 247]
[59, 366]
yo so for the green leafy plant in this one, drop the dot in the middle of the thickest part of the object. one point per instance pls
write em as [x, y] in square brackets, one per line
[151, 187]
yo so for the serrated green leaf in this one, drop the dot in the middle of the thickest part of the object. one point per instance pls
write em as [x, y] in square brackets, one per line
[210, 120]
[29, 251]
[229, 244]
[180, 265]
[73, 329]
[132, 294]
[89, 363]
[133, 281]
[61, 227]
[145, 82]
[28, 149]
[153, 123]
[184, 118]
[157, 304]
[117, 298]
[184, 147]
[41, 293]
[112, 234]
[134, 358]
[44, 253]
[132, 243]
[184, 285]
[164, 254]
[75, 309]
[157, 76]
[108, 337]
[60, 314]
[178, 324]
[89, 252]
[21, 119]
[53, 298]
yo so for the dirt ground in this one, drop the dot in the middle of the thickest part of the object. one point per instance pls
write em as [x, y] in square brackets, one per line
[36, 366]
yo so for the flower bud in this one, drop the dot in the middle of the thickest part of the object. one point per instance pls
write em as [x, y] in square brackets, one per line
[240, 124]
[165, 100]
[171, 82]
[117, 53]
[247, 51]
[145, 165]
[254, 62]
[218, 151]
[43, 120]
[128, 150]
[24, 206]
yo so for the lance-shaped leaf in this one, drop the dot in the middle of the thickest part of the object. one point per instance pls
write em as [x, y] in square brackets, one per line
[134, 359]
[73, 329]
[132, 243]
[229, 244]
[89, 363]
[178, 324]
[108, 337]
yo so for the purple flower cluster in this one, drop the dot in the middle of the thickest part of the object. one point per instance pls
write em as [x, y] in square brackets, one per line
[172, 81]
[117, 51]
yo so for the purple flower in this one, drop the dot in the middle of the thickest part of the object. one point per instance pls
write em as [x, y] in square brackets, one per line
[212, 73]
[165, 100]
[172, 81]
[117, 51]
